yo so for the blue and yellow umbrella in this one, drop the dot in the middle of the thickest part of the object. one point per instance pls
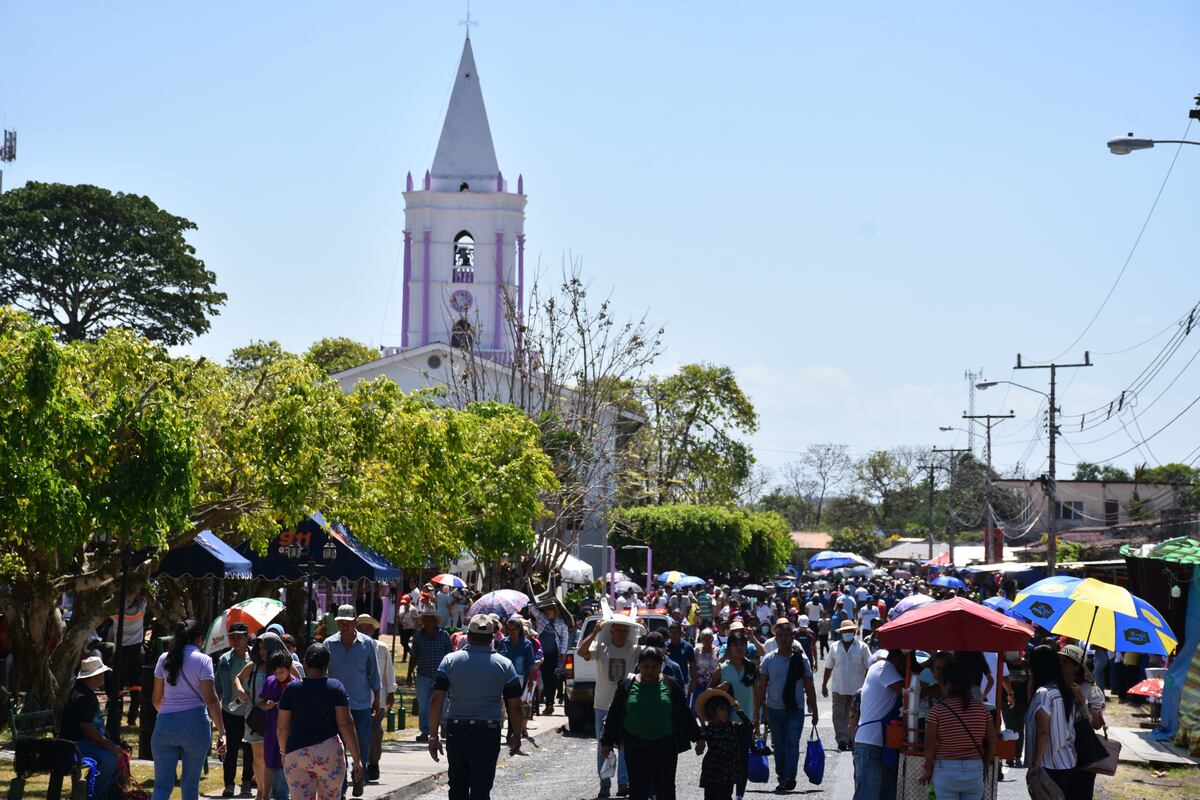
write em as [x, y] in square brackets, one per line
[1095, 612]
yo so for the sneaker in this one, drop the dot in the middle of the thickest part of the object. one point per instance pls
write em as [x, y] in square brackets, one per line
[791, 784]
[623, 790]
[247, 790]
[373, 772]
[602, 794]
[422, 737]
[228, 792]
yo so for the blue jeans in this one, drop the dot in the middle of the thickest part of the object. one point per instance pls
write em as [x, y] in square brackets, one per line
[180, 736]
[622, 770]
[362, 729]
[787, 728]
[873, 780]
[424, 695]
[279, 784]
[106, 766]
[958, 779]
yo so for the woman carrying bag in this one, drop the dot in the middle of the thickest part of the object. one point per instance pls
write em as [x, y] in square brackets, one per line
[1049, 725]
[650, 721]
[960, 739]
[1089, 717]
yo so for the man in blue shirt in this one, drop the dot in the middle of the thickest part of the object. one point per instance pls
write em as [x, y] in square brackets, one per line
[480, 685]
[430, 644]
[352, 661]
[680, 651]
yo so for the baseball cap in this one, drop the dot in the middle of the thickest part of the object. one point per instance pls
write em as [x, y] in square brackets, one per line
[239, 627]
[345, 614]
[480, 623]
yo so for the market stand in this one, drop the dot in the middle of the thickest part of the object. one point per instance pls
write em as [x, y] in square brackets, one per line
[959, 625]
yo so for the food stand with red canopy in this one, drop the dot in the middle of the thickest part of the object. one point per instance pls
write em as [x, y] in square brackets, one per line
[956, 624]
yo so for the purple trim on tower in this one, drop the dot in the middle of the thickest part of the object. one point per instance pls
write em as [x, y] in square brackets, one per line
[428, 180]
[407, 278]
[408, 184]
[425, 288]
[521, 184]
[520, 272]
[499, 181]
[498, 337]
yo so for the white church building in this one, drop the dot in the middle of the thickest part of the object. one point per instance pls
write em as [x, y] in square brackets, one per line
[464, 264]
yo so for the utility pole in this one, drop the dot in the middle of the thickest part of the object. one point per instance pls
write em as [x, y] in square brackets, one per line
[1051, 485]
[990, 556]
[931, 467]
[952, 452]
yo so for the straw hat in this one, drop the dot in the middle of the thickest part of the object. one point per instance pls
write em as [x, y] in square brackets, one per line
[91, 667]
[430, 613]
[366, 619]
[847, 627]
[705, 696]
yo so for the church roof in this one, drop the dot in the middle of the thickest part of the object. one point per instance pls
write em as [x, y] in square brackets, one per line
[465, 151]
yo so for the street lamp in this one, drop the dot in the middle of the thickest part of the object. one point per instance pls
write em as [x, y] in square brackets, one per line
[302, 558]
[649, 561]
[990, 384]
[612, 568]
[1124, 145]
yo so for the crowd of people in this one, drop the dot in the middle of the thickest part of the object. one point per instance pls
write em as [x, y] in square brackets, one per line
[713, 668]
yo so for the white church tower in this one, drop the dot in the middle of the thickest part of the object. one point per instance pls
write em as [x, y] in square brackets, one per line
[464, 234]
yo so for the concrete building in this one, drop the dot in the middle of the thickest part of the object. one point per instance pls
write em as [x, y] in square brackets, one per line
[1090, 504]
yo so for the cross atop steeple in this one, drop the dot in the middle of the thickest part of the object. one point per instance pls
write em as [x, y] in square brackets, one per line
[468, 22]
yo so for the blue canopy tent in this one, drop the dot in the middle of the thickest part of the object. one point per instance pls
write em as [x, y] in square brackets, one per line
[355, 561]
[205, 556]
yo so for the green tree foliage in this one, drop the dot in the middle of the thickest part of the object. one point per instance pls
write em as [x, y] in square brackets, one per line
[338, 353]
[1086, 471]
[798, 511]
[116, 436]
[864, 543]
[850, 511]
[85, 260]
[770, 544]
[249, 359]
[887, 479]
[700, 540]
[689, 451]
[695, 539]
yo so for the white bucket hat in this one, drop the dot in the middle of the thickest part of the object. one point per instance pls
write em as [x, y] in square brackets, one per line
[91, 667]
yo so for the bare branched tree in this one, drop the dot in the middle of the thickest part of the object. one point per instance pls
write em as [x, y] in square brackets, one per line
[828, 466]
[570, 366]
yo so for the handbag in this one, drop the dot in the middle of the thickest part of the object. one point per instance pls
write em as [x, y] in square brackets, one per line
[1088, 747]
[814, 759]
[758, 768]
[256, 720]
[1108, 764]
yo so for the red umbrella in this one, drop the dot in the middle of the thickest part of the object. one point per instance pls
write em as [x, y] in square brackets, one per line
[1151, 687]
[955, 624]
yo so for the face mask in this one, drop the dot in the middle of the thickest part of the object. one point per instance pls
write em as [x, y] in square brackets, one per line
[847, 637]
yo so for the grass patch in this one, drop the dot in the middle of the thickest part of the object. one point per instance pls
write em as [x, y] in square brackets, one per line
[1143, 782]
[143, 773]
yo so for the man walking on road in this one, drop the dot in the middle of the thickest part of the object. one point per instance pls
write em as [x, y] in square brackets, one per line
[847, 664]
[234, 710]
[352, 661]
[553, 635]
[613, 646]
[874, 780]
[479, 684]
[785, 682]
[367, 626]
[430, 644]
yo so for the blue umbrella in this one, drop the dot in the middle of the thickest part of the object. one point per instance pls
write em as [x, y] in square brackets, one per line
[688, 581]
[1096, 612]
[832, 559]
[948, 582]
[998, 603]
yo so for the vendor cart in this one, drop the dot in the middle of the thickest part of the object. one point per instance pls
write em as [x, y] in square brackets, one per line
[955, 624]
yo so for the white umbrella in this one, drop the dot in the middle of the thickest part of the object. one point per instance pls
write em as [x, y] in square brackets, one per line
[576, 570]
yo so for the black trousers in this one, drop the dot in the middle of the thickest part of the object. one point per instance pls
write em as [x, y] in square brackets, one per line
[549, 680]
[651, 766]
[723, 792]
[471, 754]
[745, 738]
[235, 730]
[131, 676]
[406, 635]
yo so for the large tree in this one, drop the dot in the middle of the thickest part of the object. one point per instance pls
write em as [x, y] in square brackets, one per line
[691, 451]
[338, 353]
[86, 260]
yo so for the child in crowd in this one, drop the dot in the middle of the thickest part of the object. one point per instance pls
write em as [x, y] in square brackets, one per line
[719, 744]
[280, 666]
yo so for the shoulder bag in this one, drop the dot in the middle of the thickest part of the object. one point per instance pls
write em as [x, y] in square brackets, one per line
[256, 719]
[978, 746]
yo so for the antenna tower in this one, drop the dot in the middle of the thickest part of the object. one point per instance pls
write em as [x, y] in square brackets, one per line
[8, 152]
[971, 377]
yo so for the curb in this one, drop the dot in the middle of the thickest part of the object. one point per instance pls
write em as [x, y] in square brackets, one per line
[428, 782]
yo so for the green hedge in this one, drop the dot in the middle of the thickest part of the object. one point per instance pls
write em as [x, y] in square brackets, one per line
[700, 540]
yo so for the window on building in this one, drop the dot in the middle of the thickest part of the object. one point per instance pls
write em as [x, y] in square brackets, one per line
[462, 335]
[464, 249]
[1070, 509]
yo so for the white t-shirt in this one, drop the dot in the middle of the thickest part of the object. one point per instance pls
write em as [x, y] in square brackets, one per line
[612, 665]
[860, 594]
[849, 666]
[622, 602]
[763, 612]
[877, 700]
[991, 658]
[867, 616]
[813, 610]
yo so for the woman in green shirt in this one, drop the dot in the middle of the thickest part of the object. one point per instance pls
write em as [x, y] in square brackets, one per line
[650, 721]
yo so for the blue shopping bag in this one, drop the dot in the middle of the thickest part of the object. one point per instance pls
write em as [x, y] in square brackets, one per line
[758, 767]
[814, 759]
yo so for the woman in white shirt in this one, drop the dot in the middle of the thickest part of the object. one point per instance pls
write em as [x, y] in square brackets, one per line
[1050, 721]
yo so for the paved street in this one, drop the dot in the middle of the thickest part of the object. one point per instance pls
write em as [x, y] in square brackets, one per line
[564, 768]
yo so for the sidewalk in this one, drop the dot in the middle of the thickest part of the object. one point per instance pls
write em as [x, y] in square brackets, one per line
[1138, 748]
[407, 770]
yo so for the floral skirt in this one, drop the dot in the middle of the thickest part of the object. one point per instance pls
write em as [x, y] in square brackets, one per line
[318, 771]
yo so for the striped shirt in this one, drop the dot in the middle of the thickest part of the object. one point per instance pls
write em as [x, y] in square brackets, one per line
[957, 739]
[705, 602]
[1060, 752]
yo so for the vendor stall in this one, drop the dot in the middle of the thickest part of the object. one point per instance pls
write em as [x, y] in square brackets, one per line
[956, 624]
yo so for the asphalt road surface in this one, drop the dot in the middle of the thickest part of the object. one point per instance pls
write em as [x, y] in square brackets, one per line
[563, 767]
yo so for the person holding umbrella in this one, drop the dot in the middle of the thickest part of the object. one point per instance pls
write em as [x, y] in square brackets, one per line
[613, 645]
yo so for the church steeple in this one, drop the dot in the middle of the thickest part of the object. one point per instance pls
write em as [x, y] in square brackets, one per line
[465, 153]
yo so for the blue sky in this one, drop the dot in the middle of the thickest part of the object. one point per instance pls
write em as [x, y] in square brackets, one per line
[850, 204]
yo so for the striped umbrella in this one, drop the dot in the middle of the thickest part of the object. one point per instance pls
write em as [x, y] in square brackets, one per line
[446, 579]
[256, 613]
[673, 576]
[503, 602]
[1096, 612]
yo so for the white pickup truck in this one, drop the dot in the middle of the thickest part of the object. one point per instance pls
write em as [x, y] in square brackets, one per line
[580, 674]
